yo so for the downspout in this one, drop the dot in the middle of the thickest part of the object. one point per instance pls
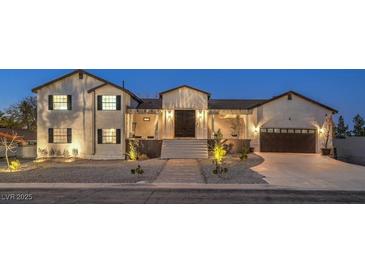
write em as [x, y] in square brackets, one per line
[94, 125]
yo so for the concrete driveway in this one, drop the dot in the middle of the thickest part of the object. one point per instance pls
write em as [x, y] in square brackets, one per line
[310, 171]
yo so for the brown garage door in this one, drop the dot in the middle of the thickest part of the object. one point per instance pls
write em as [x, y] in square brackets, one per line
[288, 140]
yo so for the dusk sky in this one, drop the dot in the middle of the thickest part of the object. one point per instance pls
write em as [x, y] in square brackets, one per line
[343, 90]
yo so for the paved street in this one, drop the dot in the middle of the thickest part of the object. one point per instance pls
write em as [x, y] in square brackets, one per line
[178, 196]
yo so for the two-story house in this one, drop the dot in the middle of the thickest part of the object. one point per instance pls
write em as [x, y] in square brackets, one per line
[81, 113]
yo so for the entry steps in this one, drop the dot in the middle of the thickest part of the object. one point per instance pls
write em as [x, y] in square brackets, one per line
[184, 149]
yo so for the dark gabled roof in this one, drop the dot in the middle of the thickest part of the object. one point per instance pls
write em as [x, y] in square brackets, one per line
[299, 95]
[185, 86]
[150, 104]
[234, 103]
[91, 75]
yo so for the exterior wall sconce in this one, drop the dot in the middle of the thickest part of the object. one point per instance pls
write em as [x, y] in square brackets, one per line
[146, 119]
[321, 130]
[200, 115]
[169, 115]
[256, 130]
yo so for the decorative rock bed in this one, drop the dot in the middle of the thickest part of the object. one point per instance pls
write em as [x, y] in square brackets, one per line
[239, 171]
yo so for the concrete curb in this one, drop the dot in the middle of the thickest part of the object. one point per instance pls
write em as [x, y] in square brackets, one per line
[165, 186]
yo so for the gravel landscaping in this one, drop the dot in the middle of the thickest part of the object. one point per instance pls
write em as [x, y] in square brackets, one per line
[239, 171]
[86, 171]
[119, 171]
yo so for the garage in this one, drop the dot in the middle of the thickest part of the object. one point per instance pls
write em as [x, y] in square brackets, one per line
[293, 140]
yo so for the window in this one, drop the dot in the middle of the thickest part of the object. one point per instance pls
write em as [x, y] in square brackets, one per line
[290, 97]
[60, 102]
[290, 130]
[298, 131]
[283, 130]
[270, 130]
[60, 135]
[304, 131]
[109, 136]
[263, 129]
[311, 131]
[277, 130]
[109, 102]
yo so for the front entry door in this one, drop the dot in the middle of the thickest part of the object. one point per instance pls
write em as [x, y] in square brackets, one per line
[184, 123]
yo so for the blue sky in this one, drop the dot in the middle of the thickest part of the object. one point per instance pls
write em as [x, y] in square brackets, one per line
[341, 89]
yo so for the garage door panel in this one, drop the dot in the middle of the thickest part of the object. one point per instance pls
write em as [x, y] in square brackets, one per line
[288, 142]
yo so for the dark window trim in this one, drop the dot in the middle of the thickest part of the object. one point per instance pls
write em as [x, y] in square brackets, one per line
[118, 136]
[51, 102]
[118, 103]
[68, 136]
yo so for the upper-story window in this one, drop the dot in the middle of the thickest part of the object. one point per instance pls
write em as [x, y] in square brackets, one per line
[59, 102]
[109, 102]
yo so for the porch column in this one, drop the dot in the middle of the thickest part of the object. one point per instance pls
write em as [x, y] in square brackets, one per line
[213, 130]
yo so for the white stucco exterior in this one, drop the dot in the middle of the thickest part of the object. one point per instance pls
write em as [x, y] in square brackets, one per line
[284, 113]
[158, 122]
[81, 118]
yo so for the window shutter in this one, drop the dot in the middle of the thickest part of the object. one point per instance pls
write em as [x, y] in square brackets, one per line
[100, 105]
[69, 102]
[118, 136]
[69, 135]
[100, 136]
[50, 135]
[119, 102]
[50, 102]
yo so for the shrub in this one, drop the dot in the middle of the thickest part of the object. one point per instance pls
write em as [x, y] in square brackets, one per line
[59, 153]
[75, 152]
[244, 153]
[143, 157]
[52, 152]
[137, 171]
[133, 150]
[219, 154]
[43, 152]
[66, 154]
[15, 165]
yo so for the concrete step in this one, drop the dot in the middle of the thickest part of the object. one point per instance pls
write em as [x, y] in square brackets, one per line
[184, 149]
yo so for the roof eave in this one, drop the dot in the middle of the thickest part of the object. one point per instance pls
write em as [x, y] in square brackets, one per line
[34, 90]
[334, 111]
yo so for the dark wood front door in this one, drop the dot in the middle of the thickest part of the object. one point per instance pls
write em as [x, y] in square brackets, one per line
[288, 140]
[184, 123]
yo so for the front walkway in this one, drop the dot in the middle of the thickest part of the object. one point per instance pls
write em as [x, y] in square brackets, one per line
[180, 171]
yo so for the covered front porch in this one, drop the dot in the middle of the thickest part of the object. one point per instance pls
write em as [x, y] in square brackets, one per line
[160, 124]
[185, 133]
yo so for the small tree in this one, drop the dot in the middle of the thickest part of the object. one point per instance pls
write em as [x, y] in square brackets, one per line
[133, 152]
[328, 131]
[2, 119]
[23, 114]
[359, 124]
[9, 144]
[342, 128]
[219, 154]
